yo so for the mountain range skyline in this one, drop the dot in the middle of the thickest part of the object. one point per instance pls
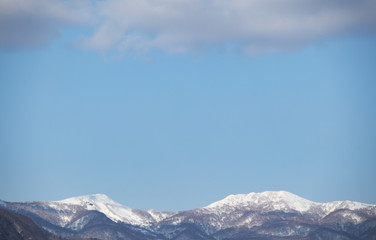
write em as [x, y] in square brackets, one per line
[101, 196]
[265, 215]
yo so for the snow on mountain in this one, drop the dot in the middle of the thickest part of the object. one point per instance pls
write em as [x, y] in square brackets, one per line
[113, 210]
[281, 201]
[159, 216]
[225, 210]
[267, 201]
[266, 214]
[332, 206]
[248, 210]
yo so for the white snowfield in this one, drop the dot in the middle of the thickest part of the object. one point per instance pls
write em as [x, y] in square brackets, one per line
[271, 201]
[282, 201]
[113, 210]
[265, 201]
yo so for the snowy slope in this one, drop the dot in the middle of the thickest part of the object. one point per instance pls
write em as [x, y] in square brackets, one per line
[113, 210]
[266, 201]
[251, 210]
[281, 201]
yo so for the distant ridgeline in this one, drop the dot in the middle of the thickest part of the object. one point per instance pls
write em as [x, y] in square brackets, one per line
[267, 215]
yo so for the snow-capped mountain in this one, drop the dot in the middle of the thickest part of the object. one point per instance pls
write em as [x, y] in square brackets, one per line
[113, 210]
[265, 201]
[284, 213]
[282, 201]
[266, 215]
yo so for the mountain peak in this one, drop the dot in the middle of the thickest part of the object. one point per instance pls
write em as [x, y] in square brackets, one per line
[98, 197]
[90, 200]
[101, 195]
[113, 210]
[269, 200]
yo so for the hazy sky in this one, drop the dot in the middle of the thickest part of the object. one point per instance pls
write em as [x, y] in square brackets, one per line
[172, 105]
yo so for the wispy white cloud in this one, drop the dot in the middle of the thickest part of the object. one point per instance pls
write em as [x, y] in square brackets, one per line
[185, 25]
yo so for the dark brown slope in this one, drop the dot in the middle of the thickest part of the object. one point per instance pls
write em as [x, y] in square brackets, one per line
[14, 226]
[18, 227]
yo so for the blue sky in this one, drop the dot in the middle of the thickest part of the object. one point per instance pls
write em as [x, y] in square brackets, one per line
[159, 117]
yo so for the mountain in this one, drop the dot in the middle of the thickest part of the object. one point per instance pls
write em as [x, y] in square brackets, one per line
[266, 215]
[15, 226]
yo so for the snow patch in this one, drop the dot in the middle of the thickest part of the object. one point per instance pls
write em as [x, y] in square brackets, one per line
[79, 223]
[159, 216]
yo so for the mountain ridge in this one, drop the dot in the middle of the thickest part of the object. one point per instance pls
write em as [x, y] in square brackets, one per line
[271, 214]
[348, 203]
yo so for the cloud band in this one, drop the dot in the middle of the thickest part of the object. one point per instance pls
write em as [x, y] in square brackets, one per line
[185, 25]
